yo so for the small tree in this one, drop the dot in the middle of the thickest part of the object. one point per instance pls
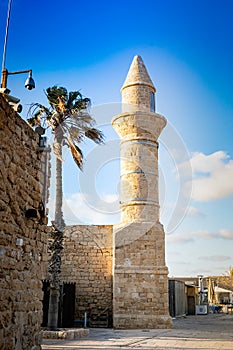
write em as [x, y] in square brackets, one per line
[70, 123]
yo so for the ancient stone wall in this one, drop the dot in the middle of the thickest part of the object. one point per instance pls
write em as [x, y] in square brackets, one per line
[87, 260]
[23, 240]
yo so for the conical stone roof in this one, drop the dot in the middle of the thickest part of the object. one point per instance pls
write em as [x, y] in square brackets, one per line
[137, 74]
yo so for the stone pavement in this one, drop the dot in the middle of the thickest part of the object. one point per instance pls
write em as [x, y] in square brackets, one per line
[212, 332]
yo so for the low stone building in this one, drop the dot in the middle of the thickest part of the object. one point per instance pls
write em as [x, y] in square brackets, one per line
[23, 231]
[87, 260]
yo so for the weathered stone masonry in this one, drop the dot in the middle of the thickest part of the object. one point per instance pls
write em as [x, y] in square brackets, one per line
[87, 260]
[22, 240]
[140, 283]
[132, 278]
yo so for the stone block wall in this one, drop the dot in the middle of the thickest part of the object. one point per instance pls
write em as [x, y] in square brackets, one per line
[87, 260]
[140, 278]
[22, 239]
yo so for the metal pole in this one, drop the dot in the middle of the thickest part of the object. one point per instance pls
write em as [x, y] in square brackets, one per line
[85, 320]
[5, 74]
[4, 78]
[6, 34]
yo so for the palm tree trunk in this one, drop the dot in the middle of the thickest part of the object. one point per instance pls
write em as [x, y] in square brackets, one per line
[56, 246]
[59, 221]
[54, 298]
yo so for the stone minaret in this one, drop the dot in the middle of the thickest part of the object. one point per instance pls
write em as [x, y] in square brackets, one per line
[140, 282]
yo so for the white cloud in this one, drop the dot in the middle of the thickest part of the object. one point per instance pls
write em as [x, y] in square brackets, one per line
[182, 262]
[215, 258]
[110, 198]
[208, 163]
[179, 238]
[212, 176]
[82, 208]
[201, 234]
[193, 212]
[226, 234]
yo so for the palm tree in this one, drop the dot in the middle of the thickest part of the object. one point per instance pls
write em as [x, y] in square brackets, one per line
[70, 123]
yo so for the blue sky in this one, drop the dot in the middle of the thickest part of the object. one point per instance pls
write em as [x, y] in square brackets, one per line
[187, 47]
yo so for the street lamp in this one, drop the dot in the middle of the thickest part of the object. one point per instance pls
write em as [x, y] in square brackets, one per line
[29, 83]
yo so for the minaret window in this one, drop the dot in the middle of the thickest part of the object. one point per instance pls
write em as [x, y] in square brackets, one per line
[152, 102]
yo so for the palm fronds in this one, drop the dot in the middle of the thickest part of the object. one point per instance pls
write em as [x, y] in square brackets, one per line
[76, 153]
[57, 96]
[67, 116]
[38, 112]
[95, 135]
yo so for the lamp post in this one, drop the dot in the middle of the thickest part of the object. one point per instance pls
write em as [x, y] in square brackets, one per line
[14, 101]
[29, 83]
